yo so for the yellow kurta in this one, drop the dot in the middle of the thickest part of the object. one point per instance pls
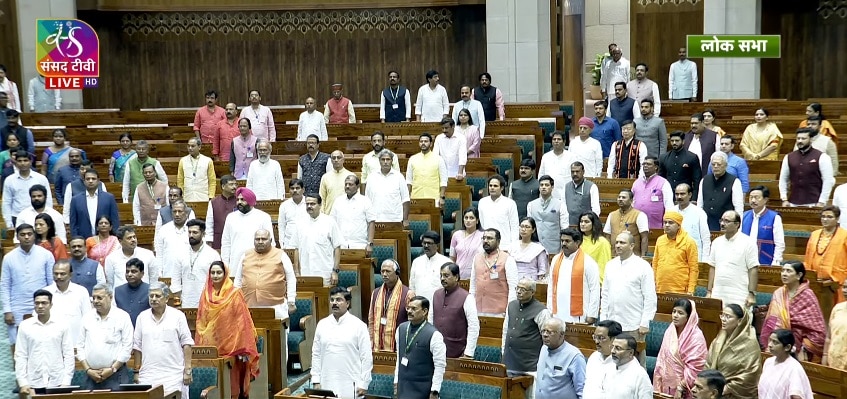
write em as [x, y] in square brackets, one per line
[600, 251]
[755, 140]
[837, 354]
[332, 185]
[675, 264]
[426, 172]
[196, 178]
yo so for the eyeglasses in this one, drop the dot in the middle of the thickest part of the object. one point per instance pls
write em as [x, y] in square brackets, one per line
[599, 338]
[426, 244]
[728, 221]
[724, 316]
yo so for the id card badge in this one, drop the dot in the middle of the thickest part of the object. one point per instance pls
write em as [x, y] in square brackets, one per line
[383, 321]
[250, 154]
[395, 106]
[157, 207]
[404, 361]
[654, 198]
[494, 276]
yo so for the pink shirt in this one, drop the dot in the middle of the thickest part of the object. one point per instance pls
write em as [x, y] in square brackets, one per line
[207, 122]
[222, 141]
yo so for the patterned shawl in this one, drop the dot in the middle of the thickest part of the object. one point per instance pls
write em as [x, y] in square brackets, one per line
[737, 356]
[801, 314]
[681, 357]
[382, 336]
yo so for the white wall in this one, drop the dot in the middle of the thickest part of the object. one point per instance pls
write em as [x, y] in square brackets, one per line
[606, 21]
[731, 77]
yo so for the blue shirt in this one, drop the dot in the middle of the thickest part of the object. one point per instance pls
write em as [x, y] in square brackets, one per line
[23, 274]
[737, 167]
[606, 132]
[66, 174]
[561, 373]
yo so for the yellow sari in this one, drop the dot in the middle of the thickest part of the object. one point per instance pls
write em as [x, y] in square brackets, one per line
[737, 356]
[600, 251]
[755, 140]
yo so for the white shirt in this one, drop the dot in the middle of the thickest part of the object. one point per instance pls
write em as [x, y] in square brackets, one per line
[261, 121]
[612, 73]
[28, 216]
[472, 318]
[353, 215]
[732, 259]
[628, 295]
[69, 307]
[287, 268]
[839, 199]
[388, 193]
[240, 230]
[500, 214]
[160, 343]
[613, 159]
[590, 153]
[316, 240]
[289, 213]
[696, 224]
[425, 274]
[44, 353]
[371, 165]
[559, 168]
[590, 288]
[682, 80]
[311, 123]
[191, 215]
[190, 270]
[596, 369]
[827, 177]
[641, 223]
[407, 98]
[511, 269]
[453, 150]
[116, 266]
[628, 381]
[66, 204]
[265, 179]
[432, 104]
[439, 357]
[342, 359]
[737, 195]
[173, 242]
[778, 235]
[195, 175]
[105, 339]
[539, 321]
[16, 194]
[477, 113]
[697, 149]
[160, 175]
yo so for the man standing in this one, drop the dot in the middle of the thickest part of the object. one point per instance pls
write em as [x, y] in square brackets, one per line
[765, 226]
[680, 165]
[86, 208]
[424, 276]
[265, 174]
[822, 142]
[629, 379]
[473, 106]
[266, 276]
[72, 302]
[627, 218]
[395, 104]
[454, 315]
[290, 211]
[421, 355]
[196, 174]
[524, 190]
[561, 366]
[332, 182]
[682, 78]
[104, 361]
[355, 216]
[494, 276]
[453, 149]
[150, 196]
[16, 188]
[522, 338]
[641, 88]
[311, 122]
[694, 221]
[207, 118]
[44, 349]
[42, 99]
[117, 262]
[68, 173]
[339, 109]
[556, 163]
[342, 360]
[318, 241]
[652, 193]
[133, 170]
[616, 70]
[166, 213]
[25, 269]
[426, 173]
[491, 99]
[499, 212]
[259, 116]
[191, 268]
[371, 163]
[240, 227]
[587, 150]
[167, 361]
[573, 294]
[600, 362]
[388, 307]
[226, 130]
[627, 154]
[675, 259]
[171, 241]
[719, 192]
[38, 205]
[242, 151]
[389, 194]
[734, 272]
[628, 295]
[606, 130]
[701, 141]
[312, 165]
[132, 297]
[622, 107]
[218, 209]
[736, 166]
[808, 172]
[432, 104]
[86, 271]
[550, 214]
[650, 129]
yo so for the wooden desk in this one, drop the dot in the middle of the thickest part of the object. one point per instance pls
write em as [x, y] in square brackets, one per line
[156, 392]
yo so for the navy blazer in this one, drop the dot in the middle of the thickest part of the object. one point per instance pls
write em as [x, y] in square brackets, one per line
[81, 220]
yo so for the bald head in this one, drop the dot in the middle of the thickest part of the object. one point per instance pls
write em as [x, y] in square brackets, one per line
[262, 241]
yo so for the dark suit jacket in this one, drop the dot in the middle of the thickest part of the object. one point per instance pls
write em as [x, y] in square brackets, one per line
[708, 139]
[81, 220]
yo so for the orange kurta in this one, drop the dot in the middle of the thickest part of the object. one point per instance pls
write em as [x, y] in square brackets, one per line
[829, 261]
[675, 264]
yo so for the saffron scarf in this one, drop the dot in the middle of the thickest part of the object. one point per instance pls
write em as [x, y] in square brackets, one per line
[382, 335]
[801, 315]
[681, 357]
[577, 273]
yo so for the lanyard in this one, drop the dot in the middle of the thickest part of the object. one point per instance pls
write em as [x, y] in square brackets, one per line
[394, 93]
[412, 340]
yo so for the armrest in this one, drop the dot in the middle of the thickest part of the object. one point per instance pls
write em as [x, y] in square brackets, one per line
[209, 392]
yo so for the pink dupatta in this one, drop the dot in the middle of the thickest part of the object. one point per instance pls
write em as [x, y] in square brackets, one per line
[681, 357]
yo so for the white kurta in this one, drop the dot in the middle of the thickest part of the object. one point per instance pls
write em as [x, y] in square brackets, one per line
[160, 343]
[69, 307]
[196, 178]
[105, 339]
[453, 150]
[431, 104]
[289, 213]
[474, 107]
[371, 165]
[342, 360]
[311, 123]
[590, 288]
[732, 259]
[116, 266]
[502, 215]
[628, 295]
[590, 153]
[170, 243]
[595, 373]
[388, 193]
[266, 181]
[44, 353]
[425, 275]
[628, 381]
[316, 240]
[559, 168]
[240, 230]
[190, 270]
[353, 216]
[696, 224]
[682, 80]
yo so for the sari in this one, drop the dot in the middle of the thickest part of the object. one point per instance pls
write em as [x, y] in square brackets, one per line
[99, 250]
[681, 357]
[801, 315]
[736, 355]
[223, 321]
[55, 161]
[56, 247]
[463, 247]
[600, 250]
[755, 140]
[116, 168]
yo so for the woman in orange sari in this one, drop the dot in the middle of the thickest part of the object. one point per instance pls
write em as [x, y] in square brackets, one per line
[827, 249]
[104, 243]
[45, 237]
[683, 352]
[223, 321]
[795, 307]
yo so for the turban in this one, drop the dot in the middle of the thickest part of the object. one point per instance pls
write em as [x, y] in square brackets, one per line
[249, 195]
[676, 217]
[584, 121]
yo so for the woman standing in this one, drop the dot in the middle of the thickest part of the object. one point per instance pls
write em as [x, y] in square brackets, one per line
[709, 122]
[683, 352]
[827, 249]
[223, 321]
[735, 353]
[104, 243]
[783, 376]
[815, 109]
[466, 243]
[56, 155]
[119, 158]
[45, 236]
[529, 254]
[593, 242]
[761, 140]
[471, 132]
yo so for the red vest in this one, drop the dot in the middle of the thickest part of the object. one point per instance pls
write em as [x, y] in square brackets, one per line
[338, 110]
[448, 316]
[221, 207]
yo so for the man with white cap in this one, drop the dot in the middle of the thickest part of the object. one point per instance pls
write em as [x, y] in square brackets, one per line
[339, 109]
[587, 149]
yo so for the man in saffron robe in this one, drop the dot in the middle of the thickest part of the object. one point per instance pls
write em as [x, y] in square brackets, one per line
[827, 249]
[339, 109]
[573, 293]
[652, 193]
[675, 260]
[388, 307]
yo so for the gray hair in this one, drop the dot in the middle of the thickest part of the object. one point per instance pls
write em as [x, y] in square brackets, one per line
[103, 287]
[719, 154]
[528, 282]
[264, 141]
[196, 140]
[555, 322]
[384, 152]
[160, 286]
